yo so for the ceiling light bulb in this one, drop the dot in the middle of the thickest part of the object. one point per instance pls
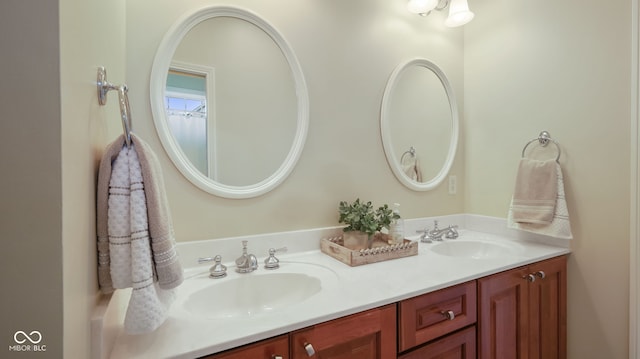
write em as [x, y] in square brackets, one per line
[459, 13]
[421, 7]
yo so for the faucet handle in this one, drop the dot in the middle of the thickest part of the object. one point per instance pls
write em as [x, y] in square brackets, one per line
[272, 262]
[218, 270]
[424, 238]
[452, 233]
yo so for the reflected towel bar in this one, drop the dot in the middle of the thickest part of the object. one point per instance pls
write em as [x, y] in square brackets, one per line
[123, 99]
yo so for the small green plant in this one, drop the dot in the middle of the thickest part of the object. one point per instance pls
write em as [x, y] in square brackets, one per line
[360, 216]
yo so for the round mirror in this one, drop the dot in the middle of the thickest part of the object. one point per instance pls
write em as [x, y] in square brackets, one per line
[229, 101]
[419, 124]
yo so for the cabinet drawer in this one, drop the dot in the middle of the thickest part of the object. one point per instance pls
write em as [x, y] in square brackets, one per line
[460, 345]
[367, 335]
[424, 318]
[266, 349]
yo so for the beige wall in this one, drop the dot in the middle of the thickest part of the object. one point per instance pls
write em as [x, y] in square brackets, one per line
[347, 50]
[92, 34]
[565, 68]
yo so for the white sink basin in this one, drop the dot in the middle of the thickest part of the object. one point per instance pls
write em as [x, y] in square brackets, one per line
[260, 292]
[476, 249]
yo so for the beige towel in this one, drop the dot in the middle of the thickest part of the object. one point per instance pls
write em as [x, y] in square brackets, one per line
[560, 227]
[411, 167]
[167, 265]
[534, 198]
[167, 268]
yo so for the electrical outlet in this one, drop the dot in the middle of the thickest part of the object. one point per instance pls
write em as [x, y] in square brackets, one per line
[453, 184]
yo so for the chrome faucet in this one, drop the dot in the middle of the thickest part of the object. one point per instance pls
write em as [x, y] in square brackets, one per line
[246, 263]
[436, 233]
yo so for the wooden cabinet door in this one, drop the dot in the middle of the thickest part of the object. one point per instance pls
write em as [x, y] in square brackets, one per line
[548, 310]
[503, 309]
[522, 312]
[273, 348]
[459, 345]
[366, 335]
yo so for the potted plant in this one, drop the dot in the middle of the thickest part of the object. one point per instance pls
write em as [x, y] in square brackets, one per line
[363, 222]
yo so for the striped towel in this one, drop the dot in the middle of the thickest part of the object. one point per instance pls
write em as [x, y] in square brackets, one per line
[560, 226]
[133, 249]
[534, 197]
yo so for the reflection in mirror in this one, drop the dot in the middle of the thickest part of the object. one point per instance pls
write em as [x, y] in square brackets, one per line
[419, 124]
[186, 105]
[229, 102]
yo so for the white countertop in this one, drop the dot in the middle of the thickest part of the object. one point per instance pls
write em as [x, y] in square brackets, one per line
[347, 290]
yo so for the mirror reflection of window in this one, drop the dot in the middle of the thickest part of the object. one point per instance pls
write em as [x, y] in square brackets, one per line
[256, 101]
[186, 104]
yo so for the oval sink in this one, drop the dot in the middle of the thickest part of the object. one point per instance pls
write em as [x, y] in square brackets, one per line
[475, 249]
[252, 294]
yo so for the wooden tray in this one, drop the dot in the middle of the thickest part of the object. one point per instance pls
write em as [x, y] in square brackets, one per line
[335, 248]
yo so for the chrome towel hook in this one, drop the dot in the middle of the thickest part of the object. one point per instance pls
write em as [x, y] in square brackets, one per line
[123, 99]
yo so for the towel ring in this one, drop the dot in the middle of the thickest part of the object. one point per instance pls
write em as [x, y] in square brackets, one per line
[544, 138]
[411, 151]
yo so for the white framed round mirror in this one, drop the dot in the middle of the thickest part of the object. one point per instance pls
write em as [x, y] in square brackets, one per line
[419, 124]
[229, 101]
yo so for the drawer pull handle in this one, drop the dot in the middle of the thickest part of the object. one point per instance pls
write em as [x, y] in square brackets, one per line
[309, 348]
[541, 274]
[530, 277]
[449, 314]
[276, 356]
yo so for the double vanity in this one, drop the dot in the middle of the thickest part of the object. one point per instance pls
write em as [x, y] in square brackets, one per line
[445, 297]
[479, 295]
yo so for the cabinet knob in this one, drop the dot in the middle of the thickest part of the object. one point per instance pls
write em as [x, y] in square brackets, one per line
[449, 314]
[309, 348]
[530, 277]
[276, 356]
[540, 274]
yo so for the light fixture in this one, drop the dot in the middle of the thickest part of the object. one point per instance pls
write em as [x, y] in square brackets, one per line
[459, 13]
[422, 7]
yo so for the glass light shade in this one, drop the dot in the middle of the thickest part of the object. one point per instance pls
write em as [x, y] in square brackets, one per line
[421, 7]
[459, 13]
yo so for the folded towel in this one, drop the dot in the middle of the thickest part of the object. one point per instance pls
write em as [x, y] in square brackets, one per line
[166, 265]
[411, 167]
[534, 198]
[560, 226]
[135, 237]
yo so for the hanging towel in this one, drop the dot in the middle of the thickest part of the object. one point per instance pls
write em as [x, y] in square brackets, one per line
[411, 167]
[534, 198]
[167, 266]
[135, 236]
[560, 226]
